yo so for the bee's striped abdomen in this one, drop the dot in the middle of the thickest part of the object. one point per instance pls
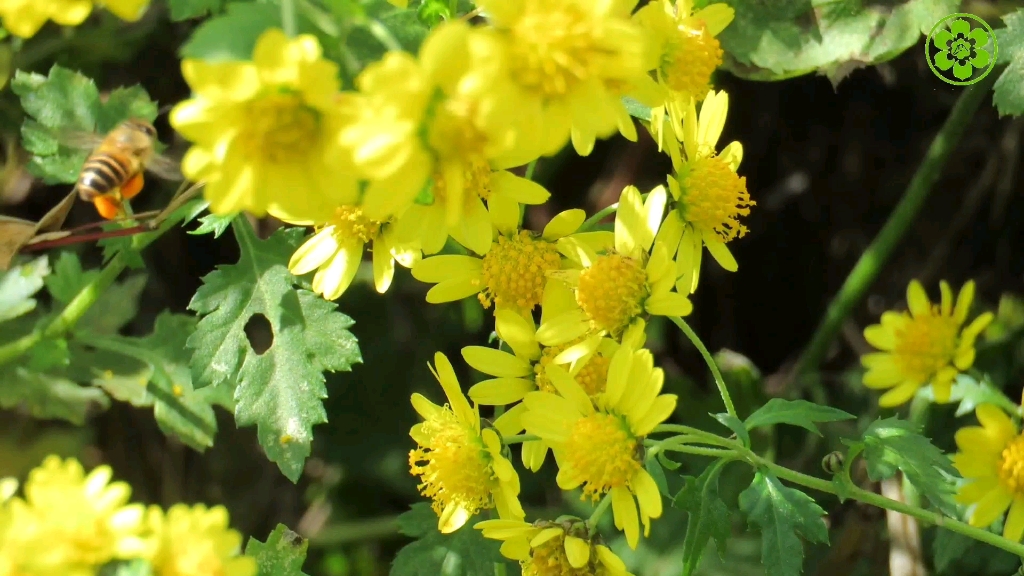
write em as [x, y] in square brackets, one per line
[101, 173]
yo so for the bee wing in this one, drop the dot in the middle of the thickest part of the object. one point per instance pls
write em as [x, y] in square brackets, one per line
[165, 167]
[79, 139]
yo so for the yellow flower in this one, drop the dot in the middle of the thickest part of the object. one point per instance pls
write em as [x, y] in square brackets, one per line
[196, 541]
[69, 523]
[619, 283]
[927, 345]
[24, 18]
[266, 133]
[684, 53]
[336, 250]
[991, 458]
[709, 196]
[547, 548]
[571, 62]
[513, 271]
[460, 465]
[427, 119]
[598, 442]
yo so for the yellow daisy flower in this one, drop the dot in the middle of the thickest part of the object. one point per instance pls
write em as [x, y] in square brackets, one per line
[335, 251]
[709, 196]
[266, 133]
[684, 54]
[598, 442]
[460, 465]
[927, 345]
[619, 284]
[547, 548]
[196, 541]
[513, 271]
[571, 62]
[991, 458]
[24, 18]
[69, 522]
[428, 119]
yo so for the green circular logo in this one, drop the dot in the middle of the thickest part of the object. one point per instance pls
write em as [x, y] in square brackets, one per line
[961, 49]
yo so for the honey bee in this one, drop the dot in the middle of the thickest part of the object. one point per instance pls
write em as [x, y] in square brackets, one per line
[113, 172]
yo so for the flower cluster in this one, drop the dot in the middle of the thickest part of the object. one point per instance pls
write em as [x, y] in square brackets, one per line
[71, 523]
[24, 18]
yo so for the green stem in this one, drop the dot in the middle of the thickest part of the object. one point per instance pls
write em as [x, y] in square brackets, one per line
[598, 512]
[530, 168]
[383, 35]
[343, 533]
[519, 438]
[877, 254]
[597, 217]
[289, 22]
[719, 381]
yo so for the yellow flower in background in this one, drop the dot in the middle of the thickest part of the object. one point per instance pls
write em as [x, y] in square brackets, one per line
[710, 197]
[684, 54]
[460, 465]
[991, 458]
[512, 273]
[571, 62]
[24, 18]
[619, 284]
[429, 120]
[69, 522]
[196, 541]
[266, 133]
[926, 345]
[335, 251]
[548, 549]
[598, 442]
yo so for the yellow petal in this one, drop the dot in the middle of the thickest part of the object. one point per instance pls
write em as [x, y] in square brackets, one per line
[453, 517]
[668, 304]
[314, 252]
[518, 332]
[452, 290]
[440, 268]
[501, 391]
[917, 300]
[496, 362]
[660, 410]
[996, 422]
[445, 375]
[991, 507]
[511, 422]
[716, 17]
[963, 301]
[974, 491]
[564, 224]
[1014, 527]
[880, 337]
[946, 300]
[563, 328]
[569, 388]
[383, 266]
[577, 551]
[625, 514]
[516, 549]
[518, 188]
[545, 535]
[721, 253]
[630, 227]
[898, 395]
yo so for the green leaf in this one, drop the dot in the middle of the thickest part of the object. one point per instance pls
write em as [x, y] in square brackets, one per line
[796, 412]
[280, 390]
[114, 308]
[232, 35]
[464, 552]
[893, 444]
[185, 9]
[787, 38]
[956, 554]
[18, 285]
[782, 513]
[708, 516]
[179, 409]
[970, 392]
[136, 567]
[653, 468]
[637, 109]
[213, 223]
[1008, 95]
[64, 102]
[419, 521]
[733, 423]
[46, 395]
[281, 555]
[378, 26]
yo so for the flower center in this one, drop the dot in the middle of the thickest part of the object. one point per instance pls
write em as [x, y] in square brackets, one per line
[349, 222]
[925, 344]
[281, 128]
[549, 559]
[514, 271]
[476, 179]
[714, 197]
[1011, 466]
[602, 453]
[611, 291]
[453, 466]
[690, 59]
[592, 377]
[553, 49]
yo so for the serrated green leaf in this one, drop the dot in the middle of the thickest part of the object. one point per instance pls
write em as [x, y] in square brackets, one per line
[418, 521]
[464, 552]
[48, 396]
[955, 554]
[733, 423]
[122, 103]
[636, 109]
[213, 223]
[280, 390]
[787, 38]
[893, 444]
[185, 9]
[708, 516]
[232, 35]
[781, 514]
[18, 285]
[1008, 91]
[796, 412]
[282, 555]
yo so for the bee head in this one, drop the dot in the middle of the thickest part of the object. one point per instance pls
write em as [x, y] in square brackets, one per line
[140, 125]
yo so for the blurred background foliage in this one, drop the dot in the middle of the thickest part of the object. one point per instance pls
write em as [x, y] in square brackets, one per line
[825, 164]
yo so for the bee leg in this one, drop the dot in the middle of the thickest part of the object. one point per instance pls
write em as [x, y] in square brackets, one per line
[108, 207]
[132, 187]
